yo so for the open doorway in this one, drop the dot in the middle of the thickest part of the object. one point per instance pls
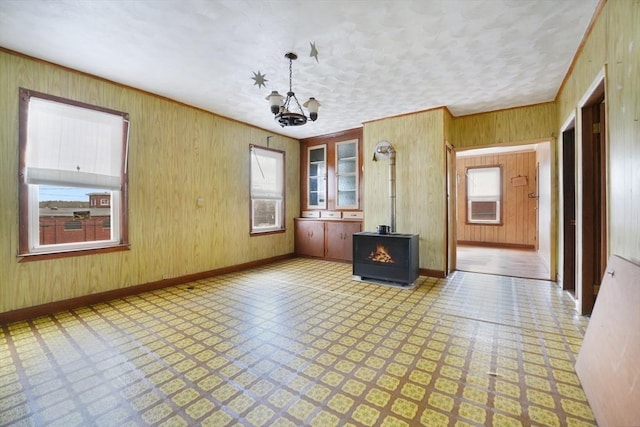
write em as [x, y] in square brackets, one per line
[516, 240]
[568, 207]
[591, 209]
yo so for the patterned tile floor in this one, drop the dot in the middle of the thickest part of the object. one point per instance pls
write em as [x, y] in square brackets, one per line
[300, 343]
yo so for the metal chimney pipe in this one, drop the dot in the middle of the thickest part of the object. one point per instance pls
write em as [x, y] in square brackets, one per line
[392, 189]
[385, 150]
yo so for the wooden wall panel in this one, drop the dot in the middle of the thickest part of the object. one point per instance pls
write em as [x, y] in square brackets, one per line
[177, 154]
[420, 181]
[530, 123]
[614, 43]
[623, 122]
[518, 210]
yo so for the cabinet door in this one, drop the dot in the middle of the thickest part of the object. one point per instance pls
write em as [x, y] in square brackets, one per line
[346, 167]
[340, 239]
[317, 177]
[309, 239]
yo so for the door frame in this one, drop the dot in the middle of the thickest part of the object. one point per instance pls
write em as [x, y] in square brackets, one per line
[585, 294]
[550, 143]
[567, 278]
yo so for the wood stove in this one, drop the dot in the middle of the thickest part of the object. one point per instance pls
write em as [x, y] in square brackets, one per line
[390, 258]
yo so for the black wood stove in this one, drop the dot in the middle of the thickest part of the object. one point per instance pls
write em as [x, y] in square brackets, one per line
[388, 258]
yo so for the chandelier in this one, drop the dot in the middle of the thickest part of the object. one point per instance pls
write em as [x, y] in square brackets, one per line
[282, 107]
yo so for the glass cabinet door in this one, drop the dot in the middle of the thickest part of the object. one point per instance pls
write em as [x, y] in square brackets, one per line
[317, 173]
[347, 174]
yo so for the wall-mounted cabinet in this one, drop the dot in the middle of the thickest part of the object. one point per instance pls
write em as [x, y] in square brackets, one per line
[332, 172]
[317, 177]
[347, 174]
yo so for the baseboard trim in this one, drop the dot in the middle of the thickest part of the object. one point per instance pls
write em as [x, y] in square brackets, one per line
[27, 313]
[496, 245]
[432, 273]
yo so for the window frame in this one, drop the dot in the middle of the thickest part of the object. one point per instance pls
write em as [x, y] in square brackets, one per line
[470, 199]
[28, 197]
[253, 231]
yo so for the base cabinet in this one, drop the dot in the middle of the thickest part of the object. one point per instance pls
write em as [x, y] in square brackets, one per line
[309, 238]
[330, 239]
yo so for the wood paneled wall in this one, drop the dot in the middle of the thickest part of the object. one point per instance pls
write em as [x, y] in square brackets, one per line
[530, 123]
[614, 43]
[420, 181]
[177, 154]
[518, 227]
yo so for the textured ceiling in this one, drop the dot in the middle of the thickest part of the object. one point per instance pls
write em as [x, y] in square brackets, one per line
[375, 58]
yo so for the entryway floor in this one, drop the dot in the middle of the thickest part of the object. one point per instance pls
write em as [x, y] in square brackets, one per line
[502, 261]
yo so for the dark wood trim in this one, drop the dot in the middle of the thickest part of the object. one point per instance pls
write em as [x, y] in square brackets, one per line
[23, 188]
[267, 233]
[495, 245]
[433, 273]
[69, 304]
[72, 253]
[593, 200]
[345, 135]
[330, 141]
[284, 191]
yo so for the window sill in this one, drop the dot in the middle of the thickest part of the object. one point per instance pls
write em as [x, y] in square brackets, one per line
[265, 233]
[71, 253]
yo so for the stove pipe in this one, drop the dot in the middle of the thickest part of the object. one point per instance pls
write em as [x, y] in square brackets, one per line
[384, 149]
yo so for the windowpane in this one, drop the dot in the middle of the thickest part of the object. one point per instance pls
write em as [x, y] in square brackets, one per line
[267, 189]
[347, 174]
[484, 193]
[73, 158]
[69, 208]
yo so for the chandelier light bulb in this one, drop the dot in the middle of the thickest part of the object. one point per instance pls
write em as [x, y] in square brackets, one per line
[275, 100]
[312, 105]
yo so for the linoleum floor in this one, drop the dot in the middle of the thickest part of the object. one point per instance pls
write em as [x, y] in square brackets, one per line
[299, 343]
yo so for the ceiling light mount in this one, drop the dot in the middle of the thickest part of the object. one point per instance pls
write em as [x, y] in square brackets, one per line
[281, 106]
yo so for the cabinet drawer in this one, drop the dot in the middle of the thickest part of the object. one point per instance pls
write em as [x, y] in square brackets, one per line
[353, 215]
[330, 214]
[310, 214]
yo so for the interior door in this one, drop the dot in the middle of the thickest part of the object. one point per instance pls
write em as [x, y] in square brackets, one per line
[569, 210]
[594, 237]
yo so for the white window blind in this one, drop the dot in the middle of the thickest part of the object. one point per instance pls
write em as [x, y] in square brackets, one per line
[267, 190]
[483, 182]
[267, 174]
[69, 145]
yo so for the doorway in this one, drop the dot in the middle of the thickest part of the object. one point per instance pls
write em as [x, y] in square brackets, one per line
[520, 245]
[568, 195]
[592, 202]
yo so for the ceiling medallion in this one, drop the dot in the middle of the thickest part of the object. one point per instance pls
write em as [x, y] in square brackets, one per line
[281, 106]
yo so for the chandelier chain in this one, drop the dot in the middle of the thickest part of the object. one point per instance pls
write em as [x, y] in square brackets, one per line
[291, 93]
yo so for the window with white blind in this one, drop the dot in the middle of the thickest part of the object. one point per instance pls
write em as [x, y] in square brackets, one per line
[484, 194]
[267, 189]
[69, 150]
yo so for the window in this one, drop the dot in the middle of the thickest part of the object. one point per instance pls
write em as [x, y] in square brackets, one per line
[267, 189]
[73, 225]
[69, 151]
[484, 194]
